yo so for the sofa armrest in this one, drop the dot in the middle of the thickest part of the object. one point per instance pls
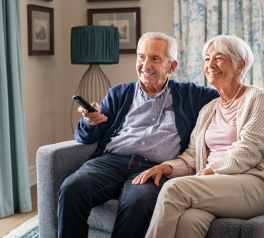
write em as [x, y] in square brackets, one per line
[253, 228]
[54, 164]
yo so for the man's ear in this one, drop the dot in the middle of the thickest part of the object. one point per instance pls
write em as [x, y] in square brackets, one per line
[173, 66]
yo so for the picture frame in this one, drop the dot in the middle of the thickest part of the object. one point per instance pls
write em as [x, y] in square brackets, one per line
[48, 0]
[127, 20]
[40, 30]
[110, 0]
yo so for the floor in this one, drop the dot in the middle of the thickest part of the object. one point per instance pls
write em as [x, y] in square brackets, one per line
[9, 223]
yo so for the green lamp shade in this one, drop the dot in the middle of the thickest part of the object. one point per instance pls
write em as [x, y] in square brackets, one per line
[94, 44]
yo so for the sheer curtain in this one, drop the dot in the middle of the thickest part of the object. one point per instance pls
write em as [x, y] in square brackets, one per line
[14, 175]
[196, 21]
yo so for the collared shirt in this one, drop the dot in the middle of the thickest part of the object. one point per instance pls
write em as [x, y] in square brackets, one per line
[149, 129]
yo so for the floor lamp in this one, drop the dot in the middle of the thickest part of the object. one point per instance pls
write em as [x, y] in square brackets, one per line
[94, 45]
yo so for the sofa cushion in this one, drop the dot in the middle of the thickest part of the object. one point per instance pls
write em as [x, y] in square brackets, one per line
[253, 227]
[93, 233]
[103, 216]
[225, 228]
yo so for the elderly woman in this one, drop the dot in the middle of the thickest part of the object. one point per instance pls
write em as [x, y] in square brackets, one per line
[225, 152]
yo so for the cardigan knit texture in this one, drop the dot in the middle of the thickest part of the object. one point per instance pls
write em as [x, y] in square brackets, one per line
[246, 152]
[188, 99]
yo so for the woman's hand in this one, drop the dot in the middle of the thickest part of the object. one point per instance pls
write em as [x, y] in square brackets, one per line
[156, 172]
[207, 171]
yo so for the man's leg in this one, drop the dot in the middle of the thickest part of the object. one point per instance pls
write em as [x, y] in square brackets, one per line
[97, 181]
[237, 196]
[136, 203]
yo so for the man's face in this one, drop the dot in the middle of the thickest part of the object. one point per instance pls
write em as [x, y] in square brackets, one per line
[152, 65]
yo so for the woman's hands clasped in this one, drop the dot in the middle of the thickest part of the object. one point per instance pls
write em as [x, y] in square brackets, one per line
[207, 171]
[155, 173]
[92, 118]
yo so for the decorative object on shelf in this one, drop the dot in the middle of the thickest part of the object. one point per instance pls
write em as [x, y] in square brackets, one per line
[94, 45]
[110, 0]
[40, 30]
[127, 20]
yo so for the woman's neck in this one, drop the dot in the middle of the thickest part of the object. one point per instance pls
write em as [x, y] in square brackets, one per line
[227, 94]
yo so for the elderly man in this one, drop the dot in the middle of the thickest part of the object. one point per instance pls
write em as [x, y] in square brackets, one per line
[138, 125]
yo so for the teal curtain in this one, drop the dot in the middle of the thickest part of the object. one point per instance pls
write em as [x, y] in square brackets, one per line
[196, 21]
[14, 172]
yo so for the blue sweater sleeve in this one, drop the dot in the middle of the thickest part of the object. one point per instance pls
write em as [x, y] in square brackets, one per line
[86, 133]
[188, 100]
[114, 106]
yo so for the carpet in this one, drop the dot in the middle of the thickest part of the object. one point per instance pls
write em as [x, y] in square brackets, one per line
[28, 229]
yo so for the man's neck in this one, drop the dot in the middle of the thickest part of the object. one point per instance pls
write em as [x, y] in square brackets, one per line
[151, 91]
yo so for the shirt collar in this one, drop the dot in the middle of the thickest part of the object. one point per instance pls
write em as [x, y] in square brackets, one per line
[162, 91]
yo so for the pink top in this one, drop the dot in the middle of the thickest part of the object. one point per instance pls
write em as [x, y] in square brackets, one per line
[221, 132]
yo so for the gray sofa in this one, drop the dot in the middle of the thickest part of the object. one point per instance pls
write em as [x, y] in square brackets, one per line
[56, 162]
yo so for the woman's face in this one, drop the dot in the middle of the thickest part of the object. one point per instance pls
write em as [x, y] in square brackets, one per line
[219, 69]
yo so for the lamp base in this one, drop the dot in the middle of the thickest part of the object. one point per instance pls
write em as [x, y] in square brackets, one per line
[93, 87]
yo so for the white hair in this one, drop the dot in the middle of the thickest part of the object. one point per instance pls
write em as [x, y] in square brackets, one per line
[234, 47]
[172, 44]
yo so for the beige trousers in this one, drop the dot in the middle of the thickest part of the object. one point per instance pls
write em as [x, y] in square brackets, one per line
[186, 205]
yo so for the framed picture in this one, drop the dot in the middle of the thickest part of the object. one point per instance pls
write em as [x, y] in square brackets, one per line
[48, 0]
[40, 30]
[109, 0]
[127, 20]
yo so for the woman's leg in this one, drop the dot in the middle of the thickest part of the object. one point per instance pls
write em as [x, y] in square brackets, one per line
[237, 196]
[194, 223]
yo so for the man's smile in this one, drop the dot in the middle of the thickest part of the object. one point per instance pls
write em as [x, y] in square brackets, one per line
[146, 73]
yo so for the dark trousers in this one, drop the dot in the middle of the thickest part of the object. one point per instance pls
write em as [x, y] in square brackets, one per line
[99, 180]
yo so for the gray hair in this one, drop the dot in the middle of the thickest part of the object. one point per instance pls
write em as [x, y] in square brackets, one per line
[172, 48]
[234, 47]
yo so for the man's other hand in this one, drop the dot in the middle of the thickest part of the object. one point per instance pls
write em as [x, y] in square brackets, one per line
[92, 118]
[155, 173]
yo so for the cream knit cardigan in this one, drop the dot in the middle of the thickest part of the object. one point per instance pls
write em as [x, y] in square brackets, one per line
[246, 153]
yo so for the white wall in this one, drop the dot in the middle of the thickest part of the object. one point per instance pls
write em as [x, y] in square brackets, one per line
[50, 81]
